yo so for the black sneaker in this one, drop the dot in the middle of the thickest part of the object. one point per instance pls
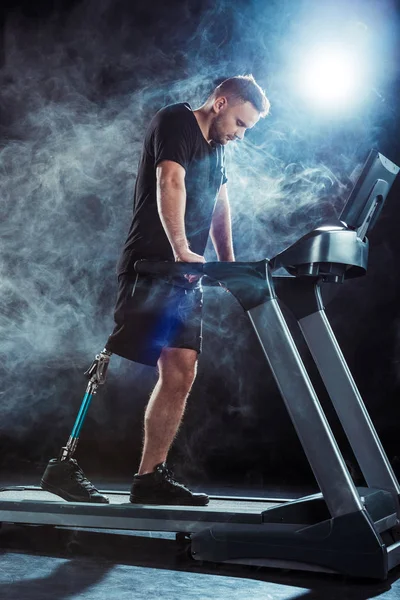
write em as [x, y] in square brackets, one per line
[66, 479]
[160, 487]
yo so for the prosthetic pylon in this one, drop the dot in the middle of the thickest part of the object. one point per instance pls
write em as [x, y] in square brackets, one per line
[97, 376]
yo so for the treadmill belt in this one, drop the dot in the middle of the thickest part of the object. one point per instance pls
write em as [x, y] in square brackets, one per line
[234, 504]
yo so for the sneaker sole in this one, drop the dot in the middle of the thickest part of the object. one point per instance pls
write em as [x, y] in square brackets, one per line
[65, 496]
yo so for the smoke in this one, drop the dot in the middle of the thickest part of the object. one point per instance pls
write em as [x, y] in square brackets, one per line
[78, 88]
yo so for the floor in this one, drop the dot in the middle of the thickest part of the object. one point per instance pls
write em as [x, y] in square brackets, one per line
[40, 563]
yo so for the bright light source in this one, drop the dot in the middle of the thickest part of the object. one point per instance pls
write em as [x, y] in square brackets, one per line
[331, 77]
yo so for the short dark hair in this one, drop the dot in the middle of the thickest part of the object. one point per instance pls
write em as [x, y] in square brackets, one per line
[245, 89]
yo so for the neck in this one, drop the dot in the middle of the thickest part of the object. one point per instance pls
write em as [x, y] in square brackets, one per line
[204, 118]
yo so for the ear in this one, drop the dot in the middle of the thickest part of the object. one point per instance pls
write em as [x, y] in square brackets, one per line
[220, 103]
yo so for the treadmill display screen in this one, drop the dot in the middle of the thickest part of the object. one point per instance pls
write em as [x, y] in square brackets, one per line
[369, 193]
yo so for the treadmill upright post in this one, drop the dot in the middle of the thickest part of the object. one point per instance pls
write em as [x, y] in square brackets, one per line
[347, 399]
[309, 420]
[304, 299]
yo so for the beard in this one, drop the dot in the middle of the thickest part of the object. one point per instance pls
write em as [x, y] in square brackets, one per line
[216, 132]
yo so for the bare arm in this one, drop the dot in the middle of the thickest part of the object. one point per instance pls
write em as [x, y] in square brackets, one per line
[171, 204]
[221, 227]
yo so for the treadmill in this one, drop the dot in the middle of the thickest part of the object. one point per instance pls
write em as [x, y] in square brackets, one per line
[343, 529]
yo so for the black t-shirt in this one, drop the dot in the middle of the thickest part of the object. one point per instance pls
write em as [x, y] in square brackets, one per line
[173, 134]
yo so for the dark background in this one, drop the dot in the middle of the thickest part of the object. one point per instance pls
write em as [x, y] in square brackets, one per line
[78, 83]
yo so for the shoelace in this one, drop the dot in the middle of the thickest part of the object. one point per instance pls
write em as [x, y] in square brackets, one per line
[80, 477]
[167, 473]
[169, 476]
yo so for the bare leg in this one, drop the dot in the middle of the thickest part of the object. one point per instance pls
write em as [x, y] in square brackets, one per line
[164, 412]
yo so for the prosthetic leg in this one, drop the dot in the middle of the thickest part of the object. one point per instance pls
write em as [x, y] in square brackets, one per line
[63, 476]
[96, 373]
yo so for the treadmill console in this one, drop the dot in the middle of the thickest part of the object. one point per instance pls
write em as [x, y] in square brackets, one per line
[340, 251]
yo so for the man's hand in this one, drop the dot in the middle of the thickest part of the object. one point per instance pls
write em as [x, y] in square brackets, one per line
[191, 257]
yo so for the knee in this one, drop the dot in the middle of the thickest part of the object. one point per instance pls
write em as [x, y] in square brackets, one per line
[180, 378]
[179, 374]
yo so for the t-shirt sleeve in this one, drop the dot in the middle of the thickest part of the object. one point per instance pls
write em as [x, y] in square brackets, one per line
[172, 139]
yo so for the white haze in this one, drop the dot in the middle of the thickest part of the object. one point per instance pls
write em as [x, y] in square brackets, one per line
[76, 95]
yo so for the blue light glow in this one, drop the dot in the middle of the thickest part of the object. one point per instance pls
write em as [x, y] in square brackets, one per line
[332, 77]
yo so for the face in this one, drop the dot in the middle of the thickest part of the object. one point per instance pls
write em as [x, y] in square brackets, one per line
[231, 120]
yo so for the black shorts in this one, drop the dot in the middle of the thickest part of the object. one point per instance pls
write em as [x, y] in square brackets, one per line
[151, 314]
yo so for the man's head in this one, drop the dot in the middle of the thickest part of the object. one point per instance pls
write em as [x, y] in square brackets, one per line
[236, 105]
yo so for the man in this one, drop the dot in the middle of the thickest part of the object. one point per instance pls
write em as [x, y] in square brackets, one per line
[180, 198]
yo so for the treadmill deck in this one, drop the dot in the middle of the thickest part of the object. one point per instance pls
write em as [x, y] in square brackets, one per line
[35, 506]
